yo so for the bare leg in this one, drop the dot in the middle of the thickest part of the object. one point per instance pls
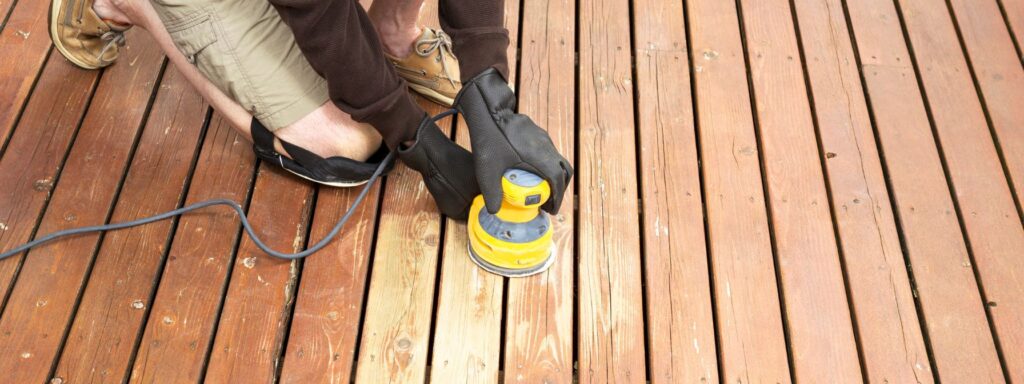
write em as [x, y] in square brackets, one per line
[327, 131]
[396, 24]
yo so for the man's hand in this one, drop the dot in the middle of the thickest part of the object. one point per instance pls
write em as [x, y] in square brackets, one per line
[503, 139]
[447, 169]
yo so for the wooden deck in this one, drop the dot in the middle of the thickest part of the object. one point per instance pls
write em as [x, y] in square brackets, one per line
[768, 191]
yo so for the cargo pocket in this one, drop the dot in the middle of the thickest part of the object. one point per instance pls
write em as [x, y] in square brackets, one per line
[196, 37]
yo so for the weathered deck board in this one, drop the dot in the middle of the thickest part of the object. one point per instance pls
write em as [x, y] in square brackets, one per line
[877, 280]
[25, 42]
[192, 282]
[258, 304]
[986, 206]
[611, 322]
[680, 323]
[48, 127]
[469, 303]
[102, 337]
[42, 304]
[675, 259]
[749, 323]
[325, 324]
[820, 331]
[951, 307]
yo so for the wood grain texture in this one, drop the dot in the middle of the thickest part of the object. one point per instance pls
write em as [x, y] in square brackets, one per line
[184, 310]
[611, 337]
[749, 320]
[396, 327]
[325, 325]
[40, 307]
[986, 206]
[1014, 11]
[47, 129]
[951, 306]
[258, 305]
[889, 332]
[103, 336]
[1000, 79]
[539, 315]
[469, 304]
[680, 323]
[820, 330]
[24, 44]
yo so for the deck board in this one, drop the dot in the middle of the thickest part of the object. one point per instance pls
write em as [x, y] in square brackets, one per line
[949, 301]
[804, 190]
[876, 275]
[820, 330]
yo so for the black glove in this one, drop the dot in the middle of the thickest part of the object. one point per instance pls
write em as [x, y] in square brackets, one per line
[447, 168]
[503, 139]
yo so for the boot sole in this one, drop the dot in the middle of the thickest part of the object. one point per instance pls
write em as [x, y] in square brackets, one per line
[55, 7]
[432, 95]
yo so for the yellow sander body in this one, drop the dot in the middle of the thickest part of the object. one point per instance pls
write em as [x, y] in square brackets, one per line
[516, 241]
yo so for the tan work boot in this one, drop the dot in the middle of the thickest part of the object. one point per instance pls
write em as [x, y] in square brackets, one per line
[431, 69]
[83, 37]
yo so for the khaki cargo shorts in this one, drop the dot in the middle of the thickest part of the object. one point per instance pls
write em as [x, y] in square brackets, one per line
[247, 51]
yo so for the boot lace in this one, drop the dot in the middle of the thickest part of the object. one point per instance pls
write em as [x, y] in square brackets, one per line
[440, 43]
[113, 38]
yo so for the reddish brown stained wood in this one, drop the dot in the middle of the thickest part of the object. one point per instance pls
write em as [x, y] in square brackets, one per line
[102, 336]
[193, 278]
[821, 339]
[50, 120]
[470, 299]
[889, 332]
[1000, 79]
[539, 322]
[680, 326]
[611, 344]
[24, 43]
[396, 328]
[41, 305]
[993, 228]
[749, 321]
[961, 343]
[321, 347]
[257, 306]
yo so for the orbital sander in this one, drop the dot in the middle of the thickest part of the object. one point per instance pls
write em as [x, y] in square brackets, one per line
[516, 241]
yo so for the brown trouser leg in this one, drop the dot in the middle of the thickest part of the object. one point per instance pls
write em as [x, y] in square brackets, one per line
[338, 39]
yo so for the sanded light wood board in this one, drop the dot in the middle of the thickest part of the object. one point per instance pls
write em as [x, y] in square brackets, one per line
[396, 326]
[50, 121]
[185, 308]
[41, 307]
[469, 303]
[24, 44]
[950, 304]
[986, 206]
[539, 314]
[258, 305]
[888, 329]
[680, 322]
[611, 319]
[102, 337]
[749, 320]
[999, 76]
[821, 338]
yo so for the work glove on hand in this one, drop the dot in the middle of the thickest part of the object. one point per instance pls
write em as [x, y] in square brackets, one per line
[503, 139]
[447, 168]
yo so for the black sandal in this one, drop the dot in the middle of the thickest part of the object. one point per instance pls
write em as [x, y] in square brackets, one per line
[335, 171]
